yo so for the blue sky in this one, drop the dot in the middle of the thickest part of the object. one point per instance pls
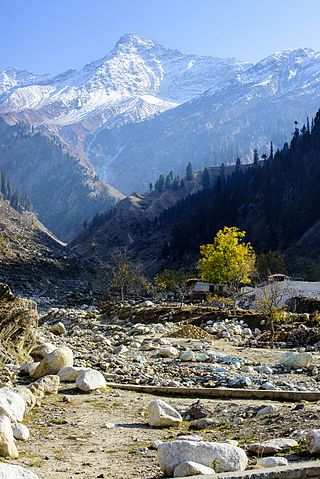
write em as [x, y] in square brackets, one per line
[54, 35]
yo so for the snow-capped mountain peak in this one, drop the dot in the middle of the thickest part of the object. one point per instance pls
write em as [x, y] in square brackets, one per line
[137, 67]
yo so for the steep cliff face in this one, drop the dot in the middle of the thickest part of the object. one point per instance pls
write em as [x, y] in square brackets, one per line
[64, 189]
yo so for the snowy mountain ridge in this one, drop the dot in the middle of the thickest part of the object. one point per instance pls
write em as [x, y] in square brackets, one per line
[138, 68]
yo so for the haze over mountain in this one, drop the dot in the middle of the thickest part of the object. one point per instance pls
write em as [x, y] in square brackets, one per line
[64, 189]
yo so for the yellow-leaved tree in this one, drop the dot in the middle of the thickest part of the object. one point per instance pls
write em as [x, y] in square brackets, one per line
[228, 260]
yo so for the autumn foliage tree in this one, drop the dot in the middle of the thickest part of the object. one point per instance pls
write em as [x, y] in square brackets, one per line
[228, 259]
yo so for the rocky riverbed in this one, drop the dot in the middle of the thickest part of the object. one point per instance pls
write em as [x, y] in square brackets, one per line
[75, 426]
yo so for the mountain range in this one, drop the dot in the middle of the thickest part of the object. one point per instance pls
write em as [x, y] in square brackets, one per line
[141, 111]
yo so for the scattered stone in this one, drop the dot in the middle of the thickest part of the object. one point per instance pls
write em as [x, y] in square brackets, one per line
[48, 384]
[272, 461]
[169, 352]
[41, 351]
[313, 441]
[264, 370]
[8, 447]
[296, 360]
[268, 410]
[90, 379]
[122, 349]
[29, 368]
[272, 446]
[224, 457]
[58, 329]
[109, 425]
[191, 468]
[198, 411]
[69, 374]
[268, 386]
[187, 356]
[202, 357]
[189, 437]
[161, 414]
[202, 423]
[53, 362]
[21, 432]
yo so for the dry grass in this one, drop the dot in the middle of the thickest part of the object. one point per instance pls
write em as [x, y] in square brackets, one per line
[17, 329]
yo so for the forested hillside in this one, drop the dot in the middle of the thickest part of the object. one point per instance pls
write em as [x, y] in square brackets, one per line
[276, 201]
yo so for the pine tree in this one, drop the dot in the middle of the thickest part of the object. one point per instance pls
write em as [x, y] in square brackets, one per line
[255, 157]
[168, 182]
[271, 151]
[175, 183]
[189, 172]
[160, 184]
[238, 165]
[205, 180]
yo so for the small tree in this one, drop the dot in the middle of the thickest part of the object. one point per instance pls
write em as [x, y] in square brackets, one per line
[271, 303]
[174, 280]
[126, 276]
[227, 260]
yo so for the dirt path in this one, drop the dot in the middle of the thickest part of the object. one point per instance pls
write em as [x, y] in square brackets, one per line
[70, 440]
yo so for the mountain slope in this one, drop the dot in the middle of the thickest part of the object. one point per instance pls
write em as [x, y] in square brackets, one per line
[254, 107]
[133, 224]
[277, 201]
[63, 188]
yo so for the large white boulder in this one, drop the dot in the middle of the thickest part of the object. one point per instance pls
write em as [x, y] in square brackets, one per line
[10, 471]
[8, 446]
[12, 405]
[90, 379]
[191, 468]
[313, 441]
[296, 360]
[69, 374]
[221, 457]
[161, 414]
[53, 362]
